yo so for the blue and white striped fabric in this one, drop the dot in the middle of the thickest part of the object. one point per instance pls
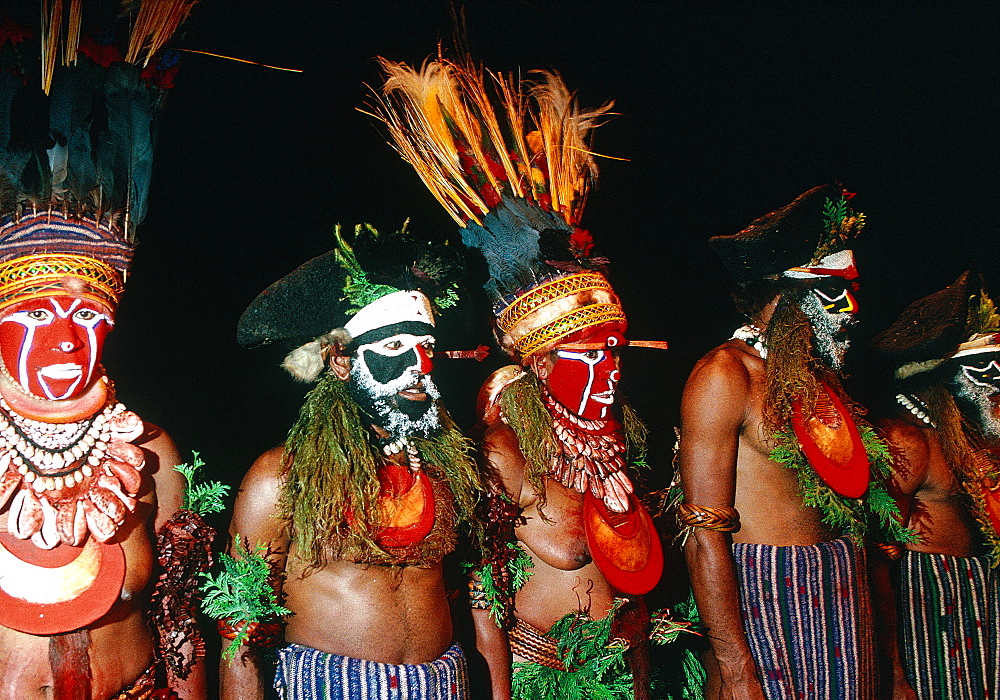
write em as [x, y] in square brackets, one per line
[807, 617]
[949, 619]
[309, 674]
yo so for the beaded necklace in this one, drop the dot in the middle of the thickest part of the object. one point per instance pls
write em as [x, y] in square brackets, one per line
[65, 480]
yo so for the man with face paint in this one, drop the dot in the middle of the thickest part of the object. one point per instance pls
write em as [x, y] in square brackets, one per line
[95, 598]
[946, 448]
[570, 548]
[776, 468]
[359, 506]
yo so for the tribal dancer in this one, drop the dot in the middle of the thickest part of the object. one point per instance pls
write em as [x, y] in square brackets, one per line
[776, 468]
[558, 606]
[946, 440]
[359, 506]
[89, 495]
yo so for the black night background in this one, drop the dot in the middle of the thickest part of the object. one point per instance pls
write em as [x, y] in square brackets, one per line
[726, 111]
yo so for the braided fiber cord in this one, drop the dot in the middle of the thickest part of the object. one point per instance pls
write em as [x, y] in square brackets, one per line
[719, 518]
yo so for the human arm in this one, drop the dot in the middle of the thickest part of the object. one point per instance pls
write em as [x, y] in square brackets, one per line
[493, 645]
[256, 521]
[714, 408]
[910, 471]
[161, 459]
[500, 513]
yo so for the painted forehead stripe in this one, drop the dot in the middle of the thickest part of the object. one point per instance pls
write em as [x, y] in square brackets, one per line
[398, 307]
[839, 264]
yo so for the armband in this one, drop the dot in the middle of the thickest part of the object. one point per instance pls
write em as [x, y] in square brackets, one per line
[478, 598]
[892, 552]
[718, 518]
[259, 634]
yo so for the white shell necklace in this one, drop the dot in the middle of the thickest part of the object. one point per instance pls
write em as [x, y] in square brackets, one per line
[914, 406]
[45, 453]
[752, 336]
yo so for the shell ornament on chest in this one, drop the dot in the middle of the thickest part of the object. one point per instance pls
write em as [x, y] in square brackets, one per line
[67, 488]
[590, 458]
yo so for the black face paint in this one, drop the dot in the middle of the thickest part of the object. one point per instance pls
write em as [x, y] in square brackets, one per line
[390, 365]
[975, 384]
[385, 368]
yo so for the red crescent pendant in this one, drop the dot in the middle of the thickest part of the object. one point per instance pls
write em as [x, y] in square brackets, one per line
[832, 444]
[625, 546]
[58, 590]
[406, 500]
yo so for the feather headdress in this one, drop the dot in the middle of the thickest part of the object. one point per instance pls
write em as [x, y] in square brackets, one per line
[79, 100]
[510, 162]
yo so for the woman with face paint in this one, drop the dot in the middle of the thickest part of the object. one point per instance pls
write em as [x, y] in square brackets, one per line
[359, 506]
[946, 440]
[571, 549]
[90, 503]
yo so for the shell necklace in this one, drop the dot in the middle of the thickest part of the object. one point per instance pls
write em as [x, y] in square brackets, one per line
[590, 455]
[63, 480]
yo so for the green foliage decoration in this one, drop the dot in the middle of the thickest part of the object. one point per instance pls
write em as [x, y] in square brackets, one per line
[595, 663]
[983, 316]
[875, 515]
[204, 498]
[518, 567]
[242, 592]
[358, 290]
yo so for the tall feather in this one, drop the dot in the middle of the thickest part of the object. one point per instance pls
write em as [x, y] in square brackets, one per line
[87, 148]
[507, 159]
[155, 23]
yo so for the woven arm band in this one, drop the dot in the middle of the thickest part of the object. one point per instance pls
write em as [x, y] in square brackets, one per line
[719, 518]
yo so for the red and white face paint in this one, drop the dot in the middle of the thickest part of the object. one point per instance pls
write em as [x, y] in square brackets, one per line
[585, 381]
[51, 346]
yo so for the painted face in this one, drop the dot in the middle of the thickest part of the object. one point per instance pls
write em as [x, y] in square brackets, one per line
[976, 385]
[830, 306]
[390, 379]
[51, 346]
[584, 381]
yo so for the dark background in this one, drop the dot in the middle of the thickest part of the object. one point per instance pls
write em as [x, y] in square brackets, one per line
[726, 111]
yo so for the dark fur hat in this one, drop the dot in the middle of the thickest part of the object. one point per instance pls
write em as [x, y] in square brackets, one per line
[929, 328]
[785, 238]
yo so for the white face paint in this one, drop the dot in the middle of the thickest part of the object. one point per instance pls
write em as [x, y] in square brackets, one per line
[52, 345]
[826, 312]
[977, 386]
[390, 379]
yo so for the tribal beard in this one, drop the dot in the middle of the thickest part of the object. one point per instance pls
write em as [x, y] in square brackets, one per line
[400, 417]
[829, 330]
[979, 403]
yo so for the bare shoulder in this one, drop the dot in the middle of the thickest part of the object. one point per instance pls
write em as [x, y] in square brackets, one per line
[161, 458]
[256, 513]
[730, 367]
[910, 447]
[263, 481]
[721, 383]
[502, 455]
[903, 434]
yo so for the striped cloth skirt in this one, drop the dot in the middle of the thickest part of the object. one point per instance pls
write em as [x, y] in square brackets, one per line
[807, 617]
[949, 623]
[309, 674]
